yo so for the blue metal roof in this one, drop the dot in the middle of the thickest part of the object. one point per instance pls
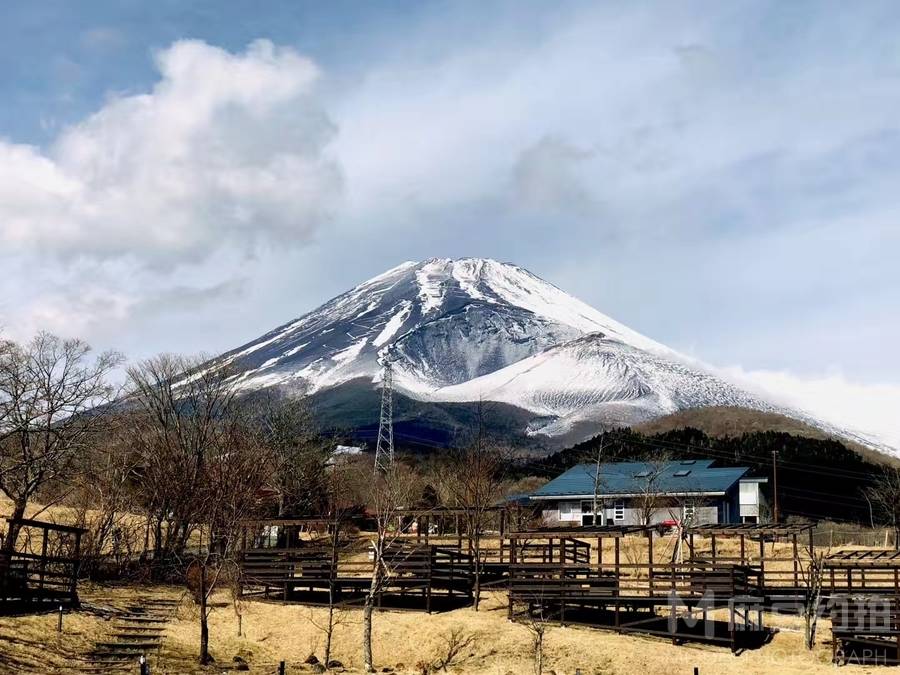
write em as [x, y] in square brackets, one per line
[628, 478]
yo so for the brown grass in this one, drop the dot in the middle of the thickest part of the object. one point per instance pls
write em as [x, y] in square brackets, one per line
[274, 631]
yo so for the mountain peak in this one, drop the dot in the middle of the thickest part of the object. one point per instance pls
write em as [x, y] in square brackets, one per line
[469, 329]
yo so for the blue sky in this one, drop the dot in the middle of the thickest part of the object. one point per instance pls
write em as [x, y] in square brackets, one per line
[722, 177]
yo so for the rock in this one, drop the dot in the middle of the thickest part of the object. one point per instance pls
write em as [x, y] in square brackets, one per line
[387, 669]
[318, 668]
[334, 663]
[243, 665]
[311, 659]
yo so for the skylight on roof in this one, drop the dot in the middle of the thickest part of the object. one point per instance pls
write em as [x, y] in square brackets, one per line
[685, 462]
[682, 473]
[642, 474]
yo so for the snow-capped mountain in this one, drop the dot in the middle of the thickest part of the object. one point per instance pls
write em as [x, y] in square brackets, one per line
[475, 329]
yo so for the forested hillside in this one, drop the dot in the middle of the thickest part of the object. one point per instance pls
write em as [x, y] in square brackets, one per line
[817, 478]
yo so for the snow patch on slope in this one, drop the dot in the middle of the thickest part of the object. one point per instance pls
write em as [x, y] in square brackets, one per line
[431, 279]
[391, 327]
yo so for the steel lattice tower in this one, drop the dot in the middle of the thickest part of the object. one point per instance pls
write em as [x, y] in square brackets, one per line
[384, 450]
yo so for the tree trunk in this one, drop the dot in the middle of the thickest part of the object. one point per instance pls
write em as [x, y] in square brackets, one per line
[9, 544]
[367, 634]
[157, 538]
[328, 634]
[539, 653]
[146, 551]
[477, 589]
[369, 607]
[204, 624]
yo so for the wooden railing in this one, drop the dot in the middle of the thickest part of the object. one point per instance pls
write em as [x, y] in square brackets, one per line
[29, 577]
[864, 579]
[567, 582]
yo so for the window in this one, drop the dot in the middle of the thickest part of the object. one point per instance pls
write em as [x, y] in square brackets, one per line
[619, 511]
[687, 515]
[682, 473]
[569, 511]
[588, 506]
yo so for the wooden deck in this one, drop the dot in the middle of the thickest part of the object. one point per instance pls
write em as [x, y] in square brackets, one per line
[422, 577]
[629, 598]
[866, 629]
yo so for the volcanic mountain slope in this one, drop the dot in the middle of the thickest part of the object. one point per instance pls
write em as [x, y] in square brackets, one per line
[459, 331]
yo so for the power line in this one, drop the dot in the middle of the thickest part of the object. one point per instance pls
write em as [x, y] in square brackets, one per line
[748, 455]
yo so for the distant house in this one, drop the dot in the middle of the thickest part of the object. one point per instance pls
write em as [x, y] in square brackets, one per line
[342, 454]
[638, 493]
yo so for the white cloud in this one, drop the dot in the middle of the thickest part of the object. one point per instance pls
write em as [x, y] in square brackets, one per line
[869, 409]
[226, 150]
[546, 176]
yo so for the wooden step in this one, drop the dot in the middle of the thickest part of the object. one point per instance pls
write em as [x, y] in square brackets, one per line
[137, 636]
[142, 619]
[141, 627]
[124, 646]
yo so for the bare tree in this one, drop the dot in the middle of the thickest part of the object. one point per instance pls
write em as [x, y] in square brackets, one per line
[181, 413]
[650, 498]
[287, 427]
[201, 470]
[475, 483]
[682, 509]
[454, 644]
[229, 492]
[598, 502]
[533, 615]
[48, 390]
[885, 496]
[392, 492]
[813, 576]
[346, 492]
[103, 479]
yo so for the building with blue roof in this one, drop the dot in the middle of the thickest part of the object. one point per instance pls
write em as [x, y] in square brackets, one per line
[691, 491]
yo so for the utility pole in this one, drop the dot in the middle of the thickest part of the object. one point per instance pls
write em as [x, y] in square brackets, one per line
[384, 449]
[775, 484]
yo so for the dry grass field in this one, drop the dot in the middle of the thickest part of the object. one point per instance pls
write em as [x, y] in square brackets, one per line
[403, 641]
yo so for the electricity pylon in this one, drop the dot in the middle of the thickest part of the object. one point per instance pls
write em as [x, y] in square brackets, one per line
[384, 450]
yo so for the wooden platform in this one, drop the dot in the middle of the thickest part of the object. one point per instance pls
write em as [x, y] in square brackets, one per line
[866, 630]
[633, 597]
[422, 577]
